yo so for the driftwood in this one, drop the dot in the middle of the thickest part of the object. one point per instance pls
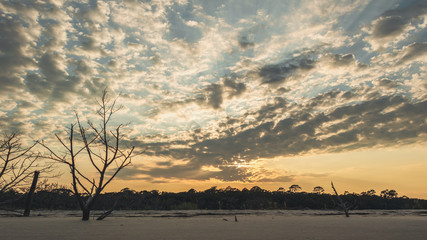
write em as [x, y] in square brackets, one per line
[105, 214]
[343, 205]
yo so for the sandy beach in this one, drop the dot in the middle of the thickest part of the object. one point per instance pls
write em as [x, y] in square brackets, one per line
[249, 226]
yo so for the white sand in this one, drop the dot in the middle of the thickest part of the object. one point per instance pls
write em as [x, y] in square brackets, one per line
[215, 227]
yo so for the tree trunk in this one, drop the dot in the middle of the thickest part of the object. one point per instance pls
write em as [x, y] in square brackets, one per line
[346, 211]
[342, 204]
[86, 214]
[30, 194]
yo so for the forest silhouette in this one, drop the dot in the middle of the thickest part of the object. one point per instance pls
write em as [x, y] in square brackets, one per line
[55, 197]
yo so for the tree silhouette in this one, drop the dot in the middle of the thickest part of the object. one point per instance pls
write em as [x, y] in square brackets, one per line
[257, 189]
[54, 196]
[389, 194]
[99, 144]
[318, 190]
[295, 188]
[369, 193]
[392, 193]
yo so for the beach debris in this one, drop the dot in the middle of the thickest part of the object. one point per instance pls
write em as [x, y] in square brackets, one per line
[225, 219]
[105, 214]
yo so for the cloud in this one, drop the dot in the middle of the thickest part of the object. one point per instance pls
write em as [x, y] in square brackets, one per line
[237, 88]
[388, 26]
[395, 22]
[413, 52]
[256, 33]
[276, 179]
[388, 84]
[13, 56]
[211, 96]
[271, 110]
[339, 64]
[53, 83]
[192, 170]
[34, 54]
[343, 59]
[245, 41]
[280, 72]
[182, 23]
[386, 120]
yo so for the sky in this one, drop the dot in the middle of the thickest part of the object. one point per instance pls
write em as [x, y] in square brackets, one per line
[240, 93]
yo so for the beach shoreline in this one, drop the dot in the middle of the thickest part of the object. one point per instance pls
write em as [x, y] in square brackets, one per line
[261, 225]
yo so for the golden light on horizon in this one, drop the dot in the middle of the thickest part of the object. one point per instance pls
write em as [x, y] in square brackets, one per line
[238, 93]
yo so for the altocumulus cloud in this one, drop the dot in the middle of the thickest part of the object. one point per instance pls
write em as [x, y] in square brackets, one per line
[213, 88]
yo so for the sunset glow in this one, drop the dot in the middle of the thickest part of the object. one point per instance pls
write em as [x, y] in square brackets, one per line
[229, 93]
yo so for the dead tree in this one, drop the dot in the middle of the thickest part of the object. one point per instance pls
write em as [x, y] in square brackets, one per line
[17, 162]
[30, 195]
[343, 205]
[97, 143]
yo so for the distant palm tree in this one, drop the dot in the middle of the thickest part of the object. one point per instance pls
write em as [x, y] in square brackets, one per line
[295, 188]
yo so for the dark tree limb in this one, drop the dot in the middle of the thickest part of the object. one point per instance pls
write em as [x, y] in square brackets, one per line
[343, 205]
[17, 162]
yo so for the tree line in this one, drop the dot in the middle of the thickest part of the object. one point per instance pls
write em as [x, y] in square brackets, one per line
[61, 198]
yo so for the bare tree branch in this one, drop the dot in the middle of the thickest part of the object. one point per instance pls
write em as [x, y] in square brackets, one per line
[17, 162]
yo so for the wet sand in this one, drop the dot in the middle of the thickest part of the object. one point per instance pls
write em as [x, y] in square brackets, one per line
[216, 227]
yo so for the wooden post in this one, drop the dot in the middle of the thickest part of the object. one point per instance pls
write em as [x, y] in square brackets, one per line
[30, 194]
